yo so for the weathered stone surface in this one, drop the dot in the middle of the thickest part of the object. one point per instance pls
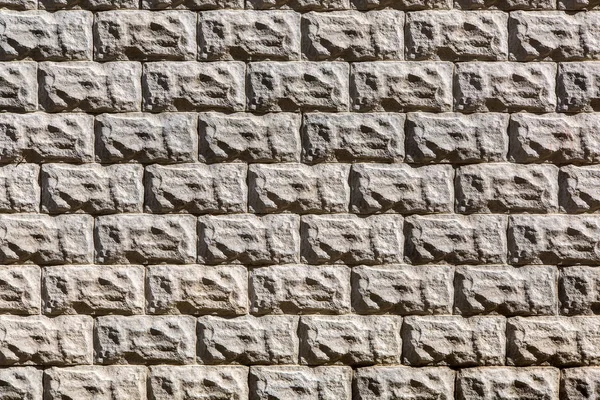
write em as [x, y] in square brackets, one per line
[367, 339]
[401, 86]
[94, 5]
[192, 86]
[196, 188]
[20, 5]
[248, 239]
[456, 35]
[505, 290]
[506, 5]
[42, 341]
[249, 138]
[348, 239]
[141, 339]
[144, 35]
[145, 239]
[248, 35]
[19, 188]
[93, 289]
[353, 35]
[401, 188]
[248, 340]
[20, 289]
[462, 239]
[580, 383]
[578, 4]
[298, 188]
[23, 383]
[577, 88]
[456, 138]
[402, 289]
[300, 289]
[18, 86]
[43, 240]
[299, 5]
[505, 87]
[579, 189]
[300, 86]
[197, 289]
[578, 290]
[453, 340]
[92, 188]
[191, 4]
[399, 382]
[506, 187]
[409, 5]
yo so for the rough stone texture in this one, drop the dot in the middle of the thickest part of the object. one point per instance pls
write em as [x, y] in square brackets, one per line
[579, 189]
[299, 5]
[18, 86]
[24, 383]
[580, 383]
[577, 89]
[94, 5]
[191, 4]
[20, 289]
[577, 290]
[496, 383]
[19, 188]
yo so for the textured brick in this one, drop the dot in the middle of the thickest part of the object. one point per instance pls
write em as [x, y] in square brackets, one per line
[578, 4]
[578, 290]
[300, 86]
[19, 188]
[453, 340]
[348, 239]
[580, 383]
[18, 86]
[577, 88]
[300, 289]
[94, 5]
[456, 138]
[401, 86]
[299, 5]
[20, 289]
[248, 340]
[579, 189]
[20, 5]
[191, 4]
[506, 5]
[456, 35]
[298, 188]
[23, 383]
[412, 5]
[372, 339]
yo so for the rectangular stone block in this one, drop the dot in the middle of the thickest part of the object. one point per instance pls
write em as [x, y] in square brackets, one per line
[505, 290]
[579, 189]
[402, 289]
[454, 341]
[506, 188]
[20, 289]
[248, 239]
[401, 188]
[457, 239]
[18, 86]
[42, 341]
[298, 188]
[300, 86]
[92, 188]
[191, 4]
[553, 239]
[145, 239]
[580, 383]
[578, 4]
[408, 5]
[300, 289]
[299, 5]
[401, 86]
[506, 5]
[40, 35]
[93, 5]
[353, 35]
[348, 137]
[248, 340]
[142, 339]
[23, 383]
[197, 289]
[20, 5]
[578, 290]
[456, 35]
[19, 188]
[196, 188]
[577, 88]
[193, 86]
[349, 239]
[93, 289]
[456, 138]
[248, 137]
[42, 239]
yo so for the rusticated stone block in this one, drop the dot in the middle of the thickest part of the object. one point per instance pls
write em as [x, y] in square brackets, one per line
[92, 188]
[144, 35]
[39, 35]
[248, 340]
[300, 86]
[456, 35]
[197, 289]
[367, 339]
[456, 138]
[579, 189]
[401, 188]
[299, 5]
[506, 188]
[349, 239]
[300, 289]
[20, 5]
[468, 239]
[196, 188]
[18, 86]
[193, 86]
[141, 339]
[20, 290]
[402, 289]
[19, 188]
[578, 4]
[453, 340]
[23, 383]
[298, 188]
[145, 239]
[248, 239]
[42, 341]
[506, 290]
[506, 5]
[577, 88]
[93, 289]
[401, 86]
[191, 4]
[43, 240]
[399, 382]
[249, 138]
[409, 5]
[580, 383]
[578, 290]
[94, 5]
[353, 35]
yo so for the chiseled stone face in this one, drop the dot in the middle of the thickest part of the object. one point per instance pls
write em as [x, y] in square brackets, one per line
[18, 86]
[20, 289]
[580, 383]
[23, 383]
[577, 87]
[19, 188]
[578, 290]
